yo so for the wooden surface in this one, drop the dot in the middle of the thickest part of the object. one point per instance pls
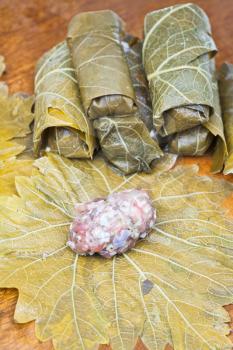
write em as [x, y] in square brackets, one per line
[27, 29]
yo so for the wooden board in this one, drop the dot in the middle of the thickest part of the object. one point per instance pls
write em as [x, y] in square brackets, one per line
[30, 27]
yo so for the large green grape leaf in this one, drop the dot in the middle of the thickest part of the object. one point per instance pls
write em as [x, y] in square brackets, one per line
[169, 289]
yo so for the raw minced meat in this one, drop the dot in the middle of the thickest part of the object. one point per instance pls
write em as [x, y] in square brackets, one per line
[113, 225]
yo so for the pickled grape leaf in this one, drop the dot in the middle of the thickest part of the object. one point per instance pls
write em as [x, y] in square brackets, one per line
[215, 126]
[226, 97]
[27, 143]
[182, 52]
[132, 47]
[11, 168]
[15, 117]
[95, 42]
[178, 61]
[60, 121]
[195, 141]
[169, 289]
[125, 141]
[15, 135]
[9, 149]
[2, 65]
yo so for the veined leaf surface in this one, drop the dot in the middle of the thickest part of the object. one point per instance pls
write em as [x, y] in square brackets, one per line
[226, 97]
[170, 288]
[11, 168]
[180, 68]
[15, 136]
[126, 141]
[15, 118]
[58, 108]
[95, 42]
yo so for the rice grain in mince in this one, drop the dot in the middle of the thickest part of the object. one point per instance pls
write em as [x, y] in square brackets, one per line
[113, 225]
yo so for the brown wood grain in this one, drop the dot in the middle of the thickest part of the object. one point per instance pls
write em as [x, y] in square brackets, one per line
[30, 27]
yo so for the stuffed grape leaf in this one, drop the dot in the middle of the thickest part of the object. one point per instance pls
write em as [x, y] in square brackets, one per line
[132, 48]
[126, 141]
[169, 289]
[60, 121]
[95, 42]
[178, 61]
[226, 97]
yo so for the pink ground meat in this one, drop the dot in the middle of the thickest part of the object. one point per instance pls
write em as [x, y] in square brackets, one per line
[113, 225]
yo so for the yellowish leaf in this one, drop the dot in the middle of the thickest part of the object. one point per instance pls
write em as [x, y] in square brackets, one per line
[169, 289]
[9, 170]
[2, 65]
[15, 119]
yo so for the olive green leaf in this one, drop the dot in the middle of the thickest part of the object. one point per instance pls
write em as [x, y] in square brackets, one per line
[169, 289]
[2, 65]
[15, 117]
[172, 53]
[178, 55]
[195, 141]
[125, 141]
[226, 97]
[95, 42]
[60, 122]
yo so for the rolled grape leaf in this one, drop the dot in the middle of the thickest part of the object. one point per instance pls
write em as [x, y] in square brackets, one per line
[177, 55]
[2, 65]
[215, 126]
[169, 289]
[132, 47]
[67, 142]
[60, 121]
[126, 142]
[95, 42]
[226, 98]
[195, 141]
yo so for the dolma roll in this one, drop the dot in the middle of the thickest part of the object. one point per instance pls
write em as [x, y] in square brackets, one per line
[94, 39]
[194, 141]
[226, 98]
[126, 141]
[178, 53]
[60, 122]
